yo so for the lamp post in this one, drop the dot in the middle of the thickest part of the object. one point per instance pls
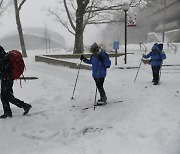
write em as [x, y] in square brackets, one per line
[125, 7]
[164, 22]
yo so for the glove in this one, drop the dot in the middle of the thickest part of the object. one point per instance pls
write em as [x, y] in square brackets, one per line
[100, 57]
[82, 58]
[143, 55]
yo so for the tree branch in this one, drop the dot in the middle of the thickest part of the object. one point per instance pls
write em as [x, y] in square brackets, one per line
[68, 14]
[4, 5]
[58, 19]
[21, 4]
[104, 22]
[1, 3]
[99, 9]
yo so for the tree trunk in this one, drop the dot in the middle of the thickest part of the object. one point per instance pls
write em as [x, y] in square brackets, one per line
[78, 44]
[19, 27]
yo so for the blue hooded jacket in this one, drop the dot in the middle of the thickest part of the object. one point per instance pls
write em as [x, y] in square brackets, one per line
[99, 67]
[156, 55]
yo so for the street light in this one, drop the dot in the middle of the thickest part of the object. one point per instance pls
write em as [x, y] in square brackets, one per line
[125, 7]
[164, 22]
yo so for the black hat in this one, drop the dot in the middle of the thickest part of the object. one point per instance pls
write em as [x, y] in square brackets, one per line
[2, 52]
[95, 48]
[1, 49]
[160, 46]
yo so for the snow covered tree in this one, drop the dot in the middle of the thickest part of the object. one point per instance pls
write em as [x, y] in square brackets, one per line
[18, 7]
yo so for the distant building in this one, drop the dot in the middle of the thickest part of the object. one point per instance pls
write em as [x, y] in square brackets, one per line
[35, 38]
[158, 19]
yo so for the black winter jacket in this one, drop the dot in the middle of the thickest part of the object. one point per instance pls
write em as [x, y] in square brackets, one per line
[6, 71]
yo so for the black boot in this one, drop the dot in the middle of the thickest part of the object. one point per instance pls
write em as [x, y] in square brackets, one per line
[155, 82]
[26, 108]
[102, 101]
[4, 116]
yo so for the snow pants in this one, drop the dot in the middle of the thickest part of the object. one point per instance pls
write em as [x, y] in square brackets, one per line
[7, 96]
[99, 83]
[155, 71]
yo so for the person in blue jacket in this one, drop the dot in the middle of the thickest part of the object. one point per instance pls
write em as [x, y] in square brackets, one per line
[156, 59]
[100, 62]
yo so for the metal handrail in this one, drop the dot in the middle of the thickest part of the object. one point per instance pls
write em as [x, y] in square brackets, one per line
[172, 46]
[143, 47]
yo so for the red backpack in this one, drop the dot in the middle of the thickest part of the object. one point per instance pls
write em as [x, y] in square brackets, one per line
[17, 62]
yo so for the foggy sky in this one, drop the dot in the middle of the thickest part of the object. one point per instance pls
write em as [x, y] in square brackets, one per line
[33, 15]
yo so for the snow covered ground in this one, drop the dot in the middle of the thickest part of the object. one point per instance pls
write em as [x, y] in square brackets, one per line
[146, 122]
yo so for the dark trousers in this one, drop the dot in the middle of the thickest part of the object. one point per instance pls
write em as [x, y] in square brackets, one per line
[155, 71]
[7, 96]
[99, 84]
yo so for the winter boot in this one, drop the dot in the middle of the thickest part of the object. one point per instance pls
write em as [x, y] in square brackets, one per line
[4, 116]
[102, 101]
[155, 82]
[26, 108]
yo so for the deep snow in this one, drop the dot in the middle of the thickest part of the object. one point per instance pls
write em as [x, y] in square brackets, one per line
[146, 122]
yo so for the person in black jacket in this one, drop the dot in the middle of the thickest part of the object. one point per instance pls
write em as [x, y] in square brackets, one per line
[6, 75]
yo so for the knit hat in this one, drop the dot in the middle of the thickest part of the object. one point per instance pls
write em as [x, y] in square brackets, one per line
[155, 47]
[94, 48]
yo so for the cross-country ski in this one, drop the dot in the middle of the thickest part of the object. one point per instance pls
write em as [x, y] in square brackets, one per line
[102, 104]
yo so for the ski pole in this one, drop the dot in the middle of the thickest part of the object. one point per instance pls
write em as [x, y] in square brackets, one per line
[76, 80]
[138, 70]
[96, 87]
[95, 97]
[160, 74]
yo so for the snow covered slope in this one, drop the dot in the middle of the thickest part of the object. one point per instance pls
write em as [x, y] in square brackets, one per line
[146, 122]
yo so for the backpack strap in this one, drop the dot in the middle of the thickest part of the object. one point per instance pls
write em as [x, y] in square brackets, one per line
[21, 79]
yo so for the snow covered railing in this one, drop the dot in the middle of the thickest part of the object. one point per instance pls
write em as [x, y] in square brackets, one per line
[69, 60]
[60, 62]
[143, 47]
[172, 46]
[77, 56]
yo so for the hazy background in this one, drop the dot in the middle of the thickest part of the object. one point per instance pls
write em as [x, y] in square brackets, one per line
[34, 14]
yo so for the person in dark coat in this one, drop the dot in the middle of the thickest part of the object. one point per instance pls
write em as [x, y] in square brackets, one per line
[6, 75]
[100, 62]
[156, 59]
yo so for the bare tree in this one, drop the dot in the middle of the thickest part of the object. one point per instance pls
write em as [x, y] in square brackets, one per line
[83, 13]
[19, 26]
